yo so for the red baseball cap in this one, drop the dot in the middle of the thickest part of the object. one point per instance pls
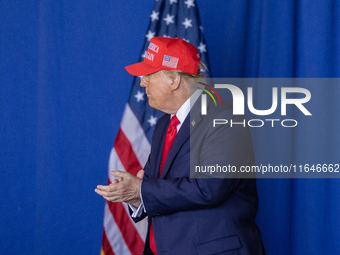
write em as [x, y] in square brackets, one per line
[166, 53]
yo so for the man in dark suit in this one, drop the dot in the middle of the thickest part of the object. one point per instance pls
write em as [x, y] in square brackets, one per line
[188, 215]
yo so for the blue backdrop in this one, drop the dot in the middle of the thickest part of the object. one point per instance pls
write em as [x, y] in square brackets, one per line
[64, 87]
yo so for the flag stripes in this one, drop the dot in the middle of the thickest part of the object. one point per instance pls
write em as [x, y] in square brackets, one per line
[131, 237]
[126, 154]
[116, 164]
[135, 134]
[113, 236]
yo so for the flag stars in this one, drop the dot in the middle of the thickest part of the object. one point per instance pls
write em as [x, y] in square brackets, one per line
[154, 15]
[139, 96]
[169, 19]
[173, 1]
[187, 23]
[190, 3]
[144, 54]
[150, 35]
[202, 47]
[152, 121]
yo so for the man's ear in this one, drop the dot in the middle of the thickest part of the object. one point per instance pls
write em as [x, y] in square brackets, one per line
[175, 82]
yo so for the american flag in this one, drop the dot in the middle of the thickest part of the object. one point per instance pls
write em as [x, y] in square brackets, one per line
[169, 18]
[170, 62]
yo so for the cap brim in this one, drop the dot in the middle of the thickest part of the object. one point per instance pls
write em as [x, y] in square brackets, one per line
[141, 68]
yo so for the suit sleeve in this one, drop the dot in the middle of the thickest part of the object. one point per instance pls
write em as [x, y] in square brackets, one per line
[143, 214]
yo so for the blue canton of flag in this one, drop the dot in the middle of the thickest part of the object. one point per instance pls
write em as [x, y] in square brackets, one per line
[169, 18]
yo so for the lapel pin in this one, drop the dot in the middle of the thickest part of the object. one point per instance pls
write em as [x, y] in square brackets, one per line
[193, 122]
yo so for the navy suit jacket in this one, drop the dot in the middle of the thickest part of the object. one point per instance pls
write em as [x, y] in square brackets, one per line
[201, 216]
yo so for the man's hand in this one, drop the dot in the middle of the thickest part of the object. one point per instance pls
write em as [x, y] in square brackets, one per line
[124, 189]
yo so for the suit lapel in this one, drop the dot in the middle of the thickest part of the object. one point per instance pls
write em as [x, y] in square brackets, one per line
[189, 124]
[195, 115]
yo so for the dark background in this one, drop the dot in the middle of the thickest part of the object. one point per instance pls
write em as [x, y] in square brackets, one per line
[64, 87]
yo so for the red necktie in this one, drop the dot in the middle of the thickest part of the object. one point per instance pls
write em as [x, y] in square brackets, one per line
[170, 135]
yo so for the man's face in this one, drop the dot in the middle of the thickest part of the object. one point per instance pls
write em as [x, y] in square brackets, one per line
[158, 89]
